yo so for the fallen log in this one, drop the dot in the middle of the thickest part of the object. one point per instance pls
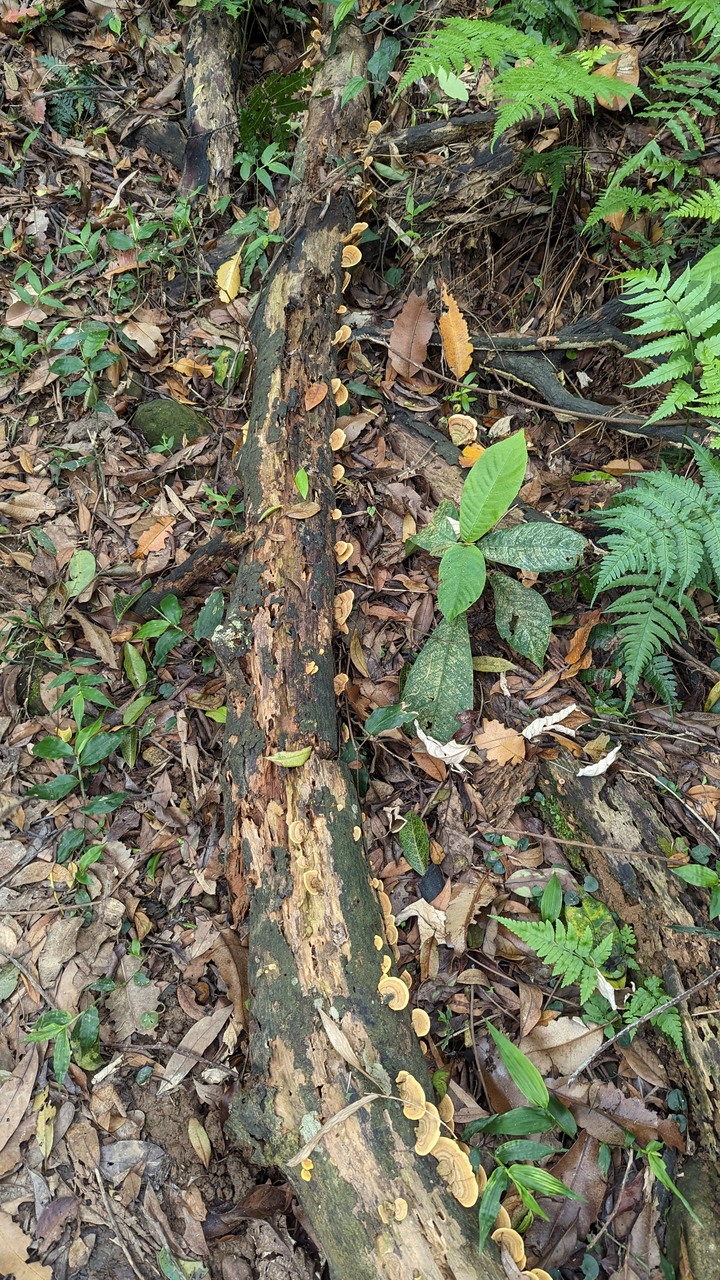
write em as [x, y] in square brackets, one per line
[325, 1050]
[212, 57]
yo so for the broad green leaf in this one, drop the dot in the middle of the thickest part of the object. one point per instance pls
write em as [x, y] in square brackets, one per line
[562, 1116]
[133, 712]
[487, 662]
[53, 749]
[440, 533]
[518, 1121]
[171, 608]
[87, 1028]
[343, 9]
[210, 616]
[497, 1185]
[302, 481]
[104, 804]
[701, 877]
[81, 571]
[219, 715]
[552, 899]
[66, 365]
[55, 790]
[521, 617]
[291, 759]
[440, 684]
[135, 667]
[525, 1175]
[166, 642]
[384, 718]
[491, 485]
[522, 1071]
[152, 629]
[415, 843]
[461, 579]
[522, 1149]
[99, 748]
[537, 547]
[352, 90]
[49, 1025]
[61, 1056]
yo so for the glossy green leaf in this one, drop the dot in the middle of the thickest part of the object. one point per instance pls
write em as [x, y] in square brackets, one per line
[497, 1185]
[415, 843]
[522, 1149]
[552, 899]
[49, 1025]
[462, 576]
[55, 790]
[384, 718]
[99, 748]
[521, 617]
[540, 1180]
[491, 485]
[518, 1121]
[291, 759]
[537, 547]
[135, 667]
[210, 616]
[52, 749]
[61, 1056]
[521, 1070]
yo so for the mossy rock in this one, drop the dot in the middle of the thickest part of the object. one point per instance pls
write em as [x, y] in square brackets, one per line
[166, 418]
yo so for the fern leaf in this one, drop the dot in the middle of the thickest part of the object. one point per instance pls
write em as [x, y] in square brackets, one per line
[570, 956]
[659, 673]
[703, 19]
[648, 624]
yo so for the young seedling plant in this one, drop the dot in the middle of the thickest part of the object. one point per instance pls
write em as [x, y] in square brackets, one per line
[440, 684]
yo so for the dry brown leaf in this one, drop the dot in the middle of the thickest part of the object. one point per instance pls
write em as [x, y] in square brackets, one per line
[58, 948]
[14, 1247]
[231, 961]
[456, 342]
[188, 367]
[27, 507]
[626, 67]
[130, 1002]
[303, 510]
[315, 394]
[16, 1094]
[506, 746]
[555, 1240]
[564, 1043]
[465, 902]
[200, 1141]
[531, 1003]
[228, 278]
[98, 639]
[154, 538]
[340, 1042]
[410, 336]
[357, 657]
[195, 1041]
[148, 337]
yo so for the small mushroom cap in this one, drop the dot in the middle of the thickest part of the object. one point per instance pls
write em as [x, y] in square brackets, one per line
[401, 1209]
[412, 1094]
[351, 255]
[394, 992]
[506, 1238]
[537, 1273]
[421, 1024]
[428, 1130]
[456, 1170]
[503, 1218]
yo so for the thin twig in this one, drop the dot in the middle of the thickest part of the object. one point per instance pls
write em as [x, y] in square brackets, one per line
[633, 1026]
[8, 959]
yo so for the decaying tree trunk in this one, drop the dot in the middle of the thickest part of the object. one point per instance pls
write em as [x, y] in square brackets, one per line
[212, 64]
[295, 861]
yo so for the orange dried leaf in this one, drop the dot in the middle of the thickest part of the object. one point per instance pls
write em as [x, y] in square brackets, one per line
[506, 746]
[315, 395]
[154, 538]
[456, 342]
[626, 68]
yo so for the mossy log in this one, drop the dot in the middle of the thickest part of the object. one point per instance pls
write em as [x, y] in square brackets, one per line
[296, 865]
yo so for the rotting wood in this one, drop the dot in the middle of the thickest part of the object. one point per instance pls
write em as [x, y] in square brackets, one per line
[212, 57]
[295, 857]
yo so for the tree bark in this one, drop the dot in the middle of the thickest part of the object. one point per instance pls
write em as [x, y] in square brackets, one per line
[212, 64]
[295, 858]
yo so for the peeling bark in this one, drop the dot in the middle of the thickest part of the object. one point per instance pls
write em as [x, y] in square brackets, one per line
[296, 862]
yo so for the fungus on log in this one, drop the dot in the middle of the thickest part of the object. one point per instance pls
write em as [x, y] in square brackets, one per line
[325, 1048]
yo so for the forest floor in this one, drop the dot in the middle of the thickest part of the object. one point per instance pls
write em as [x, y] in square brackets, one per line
[115, 926]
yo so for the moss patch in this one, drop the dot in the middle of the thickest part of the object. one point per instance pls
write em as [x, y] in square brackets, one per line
[166, 418]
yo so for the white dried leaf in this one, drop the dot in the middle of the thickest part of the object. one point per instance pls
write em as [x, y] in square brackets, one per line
[450, 752]
[602, 766]
[548, 722]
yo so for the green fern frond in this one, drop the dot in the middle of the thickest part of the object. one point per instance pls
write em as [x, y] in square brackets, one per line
[702, 204]
[659, 674]
[651, 995]
[546, 78]
[703, 19]
[648, 624]
[572, 957]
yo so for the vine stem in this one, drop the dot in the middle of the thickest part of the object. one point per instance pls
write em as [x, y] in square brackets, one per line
[633, 1026]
